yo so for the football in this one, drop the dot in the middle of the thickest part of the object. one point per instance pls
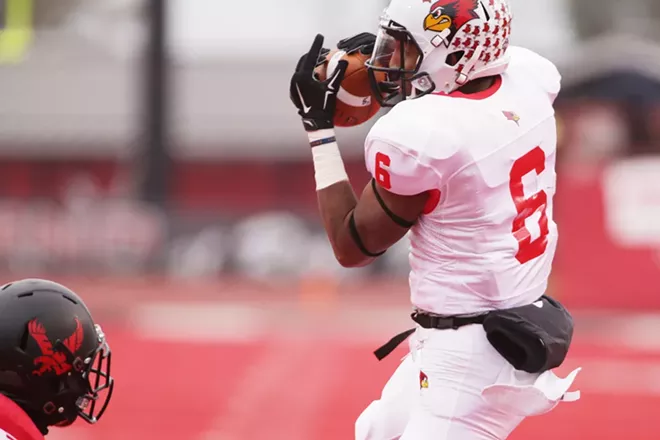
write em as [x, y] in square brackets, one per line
[356, 103]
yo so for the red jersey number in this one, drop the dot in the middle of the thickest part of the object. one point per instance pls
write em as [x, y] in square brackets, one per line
[383, 161]
[529, 249]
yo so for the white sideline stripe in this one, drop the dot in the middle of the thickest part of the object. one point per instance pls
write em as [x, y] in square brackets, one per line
[198, 322]
[608, 376]
[641, 332]
[238, 321]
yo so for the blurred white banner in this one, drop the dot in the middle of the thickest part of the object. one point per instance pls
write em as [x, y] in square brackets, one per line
[210, 29]
[203, 29]
[631, 192]
[80, 91]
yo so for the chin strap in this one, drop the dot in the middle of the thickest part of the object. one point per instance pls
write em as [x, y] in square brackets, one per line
[464, 76]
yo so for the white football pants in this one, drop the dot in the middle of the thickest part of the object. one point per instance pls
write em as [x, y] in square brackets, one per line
[455, 386]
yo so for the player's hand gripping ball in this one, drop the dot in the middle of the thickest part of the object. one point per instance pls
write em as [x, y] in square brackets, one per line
[355, 101]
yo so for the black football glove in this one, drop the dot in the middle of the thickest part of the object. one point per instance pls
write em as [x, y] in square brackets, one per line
[323, 57]
[363, 42]
[316, 100]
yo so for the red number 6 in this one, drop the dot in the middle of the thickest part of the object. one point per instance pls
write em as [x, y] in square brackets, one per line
[382, 175]
[526, 207]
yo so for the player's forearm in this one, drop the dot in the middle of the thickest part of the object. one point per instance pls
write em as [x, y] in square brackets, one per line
[336, 203]
[336, 200]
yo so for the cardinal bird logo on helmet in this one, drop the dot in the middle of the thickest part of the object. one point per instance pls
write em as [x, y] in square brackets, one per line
[51, 359]
[446, 17]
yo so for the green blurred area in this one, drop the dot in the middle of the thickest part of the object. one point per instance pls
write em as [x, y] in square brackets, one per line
[16, 30]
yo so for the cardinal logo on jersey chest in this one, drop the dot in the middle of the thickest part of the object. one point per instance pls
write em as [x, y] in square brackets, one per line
[512, 116]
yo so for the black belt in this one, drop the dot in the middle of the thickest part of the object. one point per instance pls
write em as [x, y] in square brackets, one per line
[428, 321]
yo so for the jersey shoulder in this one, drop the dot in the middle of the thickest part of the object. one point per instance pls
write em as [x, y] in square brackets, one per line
[407, 151]
[15, 424]
[421, 127]
[535, 67]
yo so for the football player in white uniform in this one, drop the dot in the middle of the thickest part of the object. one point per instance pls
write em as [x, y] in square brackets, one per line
[465, 161]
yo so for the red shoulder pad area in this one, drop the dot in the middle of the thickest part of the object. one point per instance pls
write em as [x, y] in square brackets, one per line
[15, 424]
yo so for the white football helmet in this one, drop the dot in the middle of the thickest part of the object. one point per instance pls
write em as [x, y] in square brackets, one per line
[438, 45]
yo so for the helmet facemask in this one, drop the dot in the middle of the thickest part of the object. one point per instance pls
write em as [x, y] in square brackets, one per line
[438, 46]
[394, 66]
[96, 373]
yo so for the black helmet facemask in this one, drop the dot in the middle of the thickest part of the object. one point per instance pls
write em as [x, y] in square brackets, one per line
[394, 66]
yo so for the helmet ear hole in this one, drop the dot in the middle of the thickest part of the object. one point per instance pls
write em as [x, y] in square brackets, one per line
[454, 58]
[70, 299]
[24, 340]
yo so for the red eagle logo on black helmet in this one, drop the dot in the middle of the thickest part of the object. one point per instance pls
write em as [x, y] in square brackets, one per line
[52, 360]
[448, 16]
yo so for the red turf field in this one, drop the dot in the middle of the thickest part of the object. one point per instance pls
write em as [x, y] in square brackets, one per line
[306, 389]
[276, 365]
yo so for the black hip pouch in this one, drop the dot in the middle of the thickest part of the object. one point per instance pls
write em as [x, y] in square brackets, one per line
[533, 338]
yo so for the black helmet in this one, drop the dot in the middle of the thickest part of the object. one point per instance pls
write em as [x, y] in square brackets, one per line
[54, 361]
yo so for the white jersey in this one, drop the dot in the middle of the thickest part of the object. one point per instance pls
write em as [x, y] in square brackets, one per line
[487, 239]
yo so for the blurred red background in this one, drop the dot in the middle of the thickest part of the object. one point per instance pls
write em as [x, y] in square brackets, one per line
[150, 164]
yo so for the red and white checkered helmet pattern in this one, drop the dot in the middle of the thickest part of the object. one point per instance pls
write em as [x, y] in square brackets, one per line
[479, 29]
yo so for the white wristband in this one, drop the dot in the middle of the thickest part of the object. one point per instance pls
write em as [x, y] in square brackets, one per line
[328, 164]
